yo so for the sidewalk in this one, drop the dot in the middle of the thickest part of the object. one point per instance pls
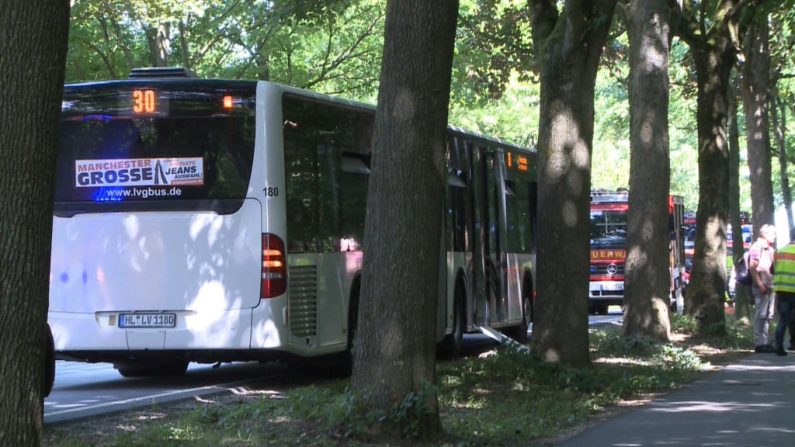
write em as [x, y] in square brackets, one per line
[747, 403]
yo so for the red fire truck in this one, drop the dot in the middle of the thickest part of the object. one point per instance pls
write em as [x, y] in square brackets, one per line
[608, 249]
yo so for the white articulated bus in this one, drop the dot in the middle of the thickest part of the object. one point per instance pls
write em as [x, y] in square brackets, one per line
[209, 220]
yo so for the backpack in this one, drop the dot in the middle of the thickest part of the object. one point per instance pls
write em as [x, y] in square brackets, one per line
[741, 273]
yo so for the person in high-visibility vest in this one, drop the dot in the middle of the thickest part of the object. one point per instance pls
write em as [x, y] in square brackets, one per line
[784, 286]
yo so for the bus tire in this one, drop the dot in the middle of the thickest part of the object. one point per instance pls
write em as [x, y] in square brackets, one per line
[348, 355]
[451, 345]
[49, 365]
[519, 333]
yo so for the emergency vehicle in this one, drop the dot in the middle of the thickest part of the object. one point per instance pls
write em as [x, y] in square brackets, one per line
[609, 249]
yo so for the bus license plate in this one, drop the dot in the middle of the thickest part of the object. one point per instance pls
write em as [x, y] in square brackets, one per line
[140, 320]
[617, 287]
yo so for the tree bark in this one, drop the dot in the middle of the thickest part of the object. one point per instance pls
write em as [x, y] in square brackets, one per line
[742, 307]
[32, 61]
[184, 47]
[755, 83]
[569, 55]
[394, 354]
[159, 40]
[263, 62]
[780, 126]
[714, 58]
[647, 280]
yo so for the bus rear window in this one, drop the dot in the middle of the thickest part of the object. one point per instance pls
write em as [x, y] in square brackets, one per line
[172, 148]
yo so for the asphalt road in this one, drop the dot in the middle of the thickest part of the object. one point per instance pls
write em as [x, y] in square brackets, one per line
[83, 390]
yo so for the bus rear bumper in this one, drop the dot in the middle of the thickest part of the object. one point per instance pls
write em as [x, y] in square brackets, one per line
[99, 331]
[209, 336]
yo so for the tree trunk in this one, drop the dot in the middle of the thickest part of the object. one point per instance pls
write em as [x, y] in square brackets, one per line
[570, 59]
[183, 46]
[32, 60]
[163, 44]
[263, 62]
[755, 82]
[395, 342]
[159, 41]
[714, 63]
[780, 126]
[742, 309]
[647, 280]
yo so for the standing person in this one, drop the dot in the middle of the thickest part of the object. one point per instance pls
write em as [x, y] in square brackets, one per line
[760, 266]
[784, 286]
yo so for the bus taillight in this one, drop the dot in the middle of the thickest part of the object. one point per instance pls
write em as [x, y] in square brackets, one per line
[274, 266]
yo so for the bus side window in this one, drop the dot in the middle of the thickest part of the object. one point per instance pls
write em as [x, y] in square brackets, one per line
[298, 218]
[300, 181]
[354, 177]
[328, 198]
[327, 151]
[520, 219]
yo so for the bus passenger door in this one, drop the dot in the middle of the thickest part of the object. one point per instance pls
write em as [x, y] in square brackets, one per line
[490, 283]
[455, 253]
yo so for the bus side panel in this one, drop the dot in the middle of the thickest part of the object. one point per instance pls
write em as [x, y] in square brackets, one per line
[268, 325]
[338, 269]
[455, 262]
[312, 318]
[269, 318]
[318, 295]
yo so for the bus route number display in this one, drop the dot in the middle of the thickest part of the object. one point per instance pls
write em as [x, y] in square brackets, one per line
[144, 101]
[520, 163]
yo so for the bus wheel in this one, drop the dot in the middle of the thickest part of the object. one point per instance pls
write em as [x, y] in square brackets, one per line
[451, 345]
[49, 365]
[519, 333]
[347, 356]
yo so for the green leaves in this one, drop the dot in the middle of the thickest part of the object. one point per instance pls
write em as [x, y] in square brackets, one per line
[327, 46]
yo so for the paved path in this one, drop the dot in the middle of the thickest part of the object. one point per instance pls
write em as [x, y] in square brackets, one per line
[748, 403]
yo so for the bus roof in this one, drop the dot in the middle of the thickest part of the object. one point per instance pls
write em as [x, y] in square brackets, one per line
[364, 106]
[176, 80]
